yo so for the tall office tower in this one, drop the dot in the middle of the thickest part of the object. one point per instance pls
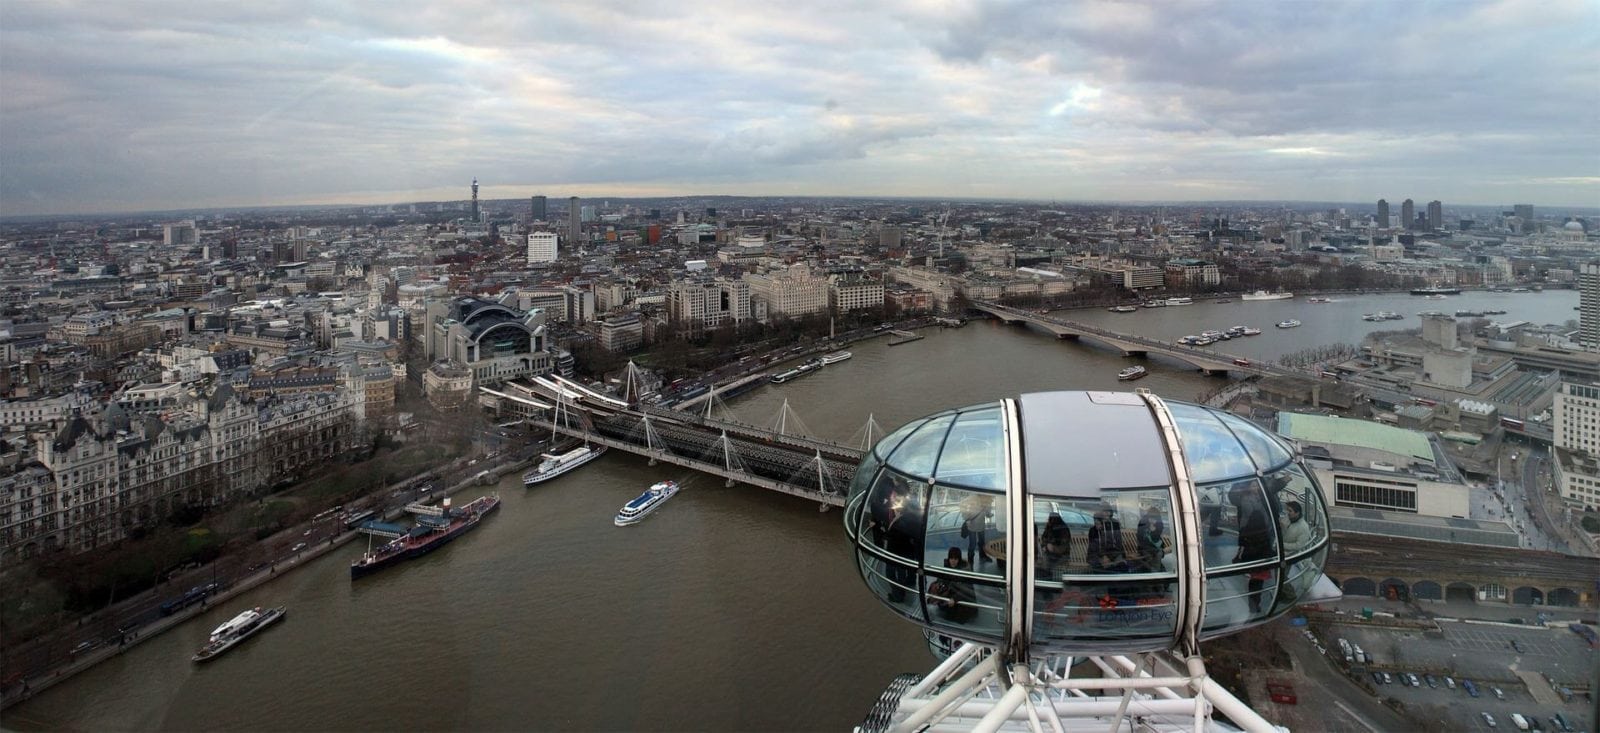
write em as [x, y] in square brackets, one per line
[574, 223]
[542, 247]
[1383, 214]
[1435, 215]
[1589, 306]
[180, 233]
[1408, 214]
[889, 237]
[474, 199]
[1525, 213]
[537, 209]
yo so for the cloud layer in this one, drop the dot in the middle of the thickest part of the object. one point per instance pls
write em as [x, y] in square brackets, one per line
[107, 107]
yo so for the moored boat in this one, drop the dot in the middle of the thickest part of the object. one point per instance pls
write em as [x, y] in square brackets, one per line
[835, 357]
[1123, 308]
[1180, 301]
[1291, 323]
[1265, 295]
[237, 629]
[1436, 290]
[645, 503]
[1318, 300]
[1132, 373]
[555, 464]
[430, 534]
[1250, 331]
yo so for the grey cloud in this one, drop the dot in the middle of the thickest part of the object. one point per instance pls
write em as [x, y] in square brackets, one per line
[118, 106]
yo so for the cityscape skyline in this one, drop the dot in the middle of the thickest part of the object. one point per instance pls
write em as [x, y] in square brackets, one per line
[120, 110]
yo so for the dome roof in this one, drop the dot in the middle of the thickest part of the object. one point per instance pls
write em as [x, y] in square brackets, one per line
[1573, 226]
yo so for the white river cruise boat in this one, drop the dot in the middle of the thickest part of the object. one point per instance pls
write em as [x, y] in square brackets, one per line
[555, 464]
[647, 502]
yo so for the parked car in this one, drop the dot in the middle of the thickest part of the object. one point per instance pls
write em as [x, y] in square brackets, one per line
[1489, 720]
[1450, 682]
[1469, 687]
[1432, 683]
[1377, 678]
[298, 547]
[1387, 678]
[1498, 694]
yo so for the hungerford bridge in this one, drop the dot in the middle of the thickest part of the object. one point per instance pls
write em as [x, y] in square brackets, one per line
[781, 457]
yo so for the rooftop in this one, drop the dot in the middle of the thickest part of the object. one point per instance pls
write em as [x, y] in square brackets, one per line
[1359, 433]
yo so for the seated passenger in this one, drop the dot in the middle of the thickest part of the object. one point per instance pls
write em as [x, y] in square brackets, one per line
[954, 598]
[1055, 545]
[1150, 539]
[1106, 553]
[1296, 534]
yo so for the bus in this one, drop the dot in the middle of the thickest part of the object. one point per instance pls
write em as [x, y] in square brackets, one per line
[1512, 423]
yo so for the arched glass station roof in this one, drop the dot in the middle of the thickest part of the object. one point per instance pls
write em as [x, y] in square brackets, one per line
[1086, 522]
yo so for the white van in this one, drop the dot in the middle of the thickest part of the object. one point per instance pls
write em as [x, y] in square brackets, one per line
[1519, 721]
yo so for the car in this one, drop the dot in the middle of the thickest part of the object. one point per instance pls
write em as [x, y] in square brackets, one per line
[1411, 678]
[1241, 362]
[1387, 678]
[1377, 678]
[1489, 720]
[1450, 683]
[306, 533]
[85, 646]
[1515, 646]
[1498, 694]
[298, 547]
[1432, 683]
[1472, 690]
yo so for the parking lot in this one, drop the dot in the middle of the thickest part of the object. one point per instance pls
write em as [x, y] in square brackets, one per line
[1489, 655]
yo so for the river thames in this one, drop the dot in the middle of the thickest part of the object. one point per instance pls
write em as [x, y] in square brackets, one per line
[728, 609]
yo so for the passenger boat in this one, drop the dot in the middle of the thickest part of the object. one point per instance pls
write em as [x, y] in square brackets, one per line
[1132, 373]
[1469, 314]
[786, 376]
[1249, 331]
[1264, 295]
[645, 503]
[430, 534]
[555, 464]
[1318, 300]
[1153, 304]
[835, 357]
[1436, 290]
[1291, 323]
[1123, 308]
[1180, 301]
[237, 629]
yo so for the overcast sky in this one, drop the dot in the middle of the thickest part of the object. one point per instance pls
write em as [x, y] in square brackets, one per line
[153, 105]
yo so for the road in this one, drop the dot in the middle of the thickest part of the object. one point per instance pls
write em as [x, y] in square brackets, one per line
[1360, 710]
[1547, 510]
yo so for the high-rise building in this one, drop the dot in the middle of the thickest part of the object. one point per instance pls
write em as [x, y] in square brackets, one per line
[1589, 306]
[537, 209]
[1435, 215]
[1383, 213]
[889, 237]
[542, 247]
[474, 199]
[179, 233]
[574, 223]
[1408, 214]
[1525, 213]
[1576, 437]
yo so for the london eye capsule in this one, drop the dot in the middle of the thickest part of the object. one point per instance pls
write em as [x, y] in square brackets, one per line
[1081, 522]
